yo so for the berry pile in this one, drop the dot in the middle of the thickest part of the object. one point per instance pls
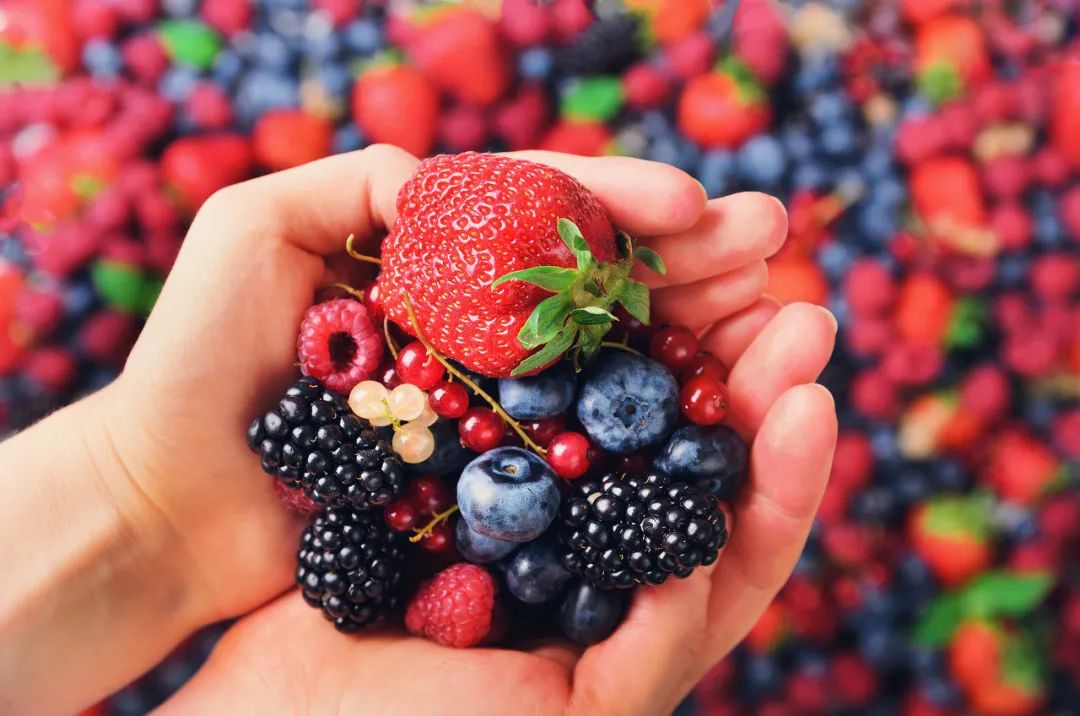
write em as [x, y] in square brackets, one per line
[927, 156]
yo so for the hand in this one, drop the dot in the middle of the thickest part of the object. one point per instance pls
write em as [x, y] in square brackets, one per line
[251, 265]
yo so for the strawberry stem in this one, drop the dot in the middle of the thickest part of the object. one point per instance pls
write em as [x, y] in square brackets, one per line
[347, 289]
[529, 443]
[357, 255]
[436, 519]
[620, 346]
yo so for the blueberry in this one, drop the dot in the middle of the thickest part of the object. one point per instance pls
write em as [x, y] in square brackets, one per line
[450, 455]
[716, 172]
[177, 83]
[761, 160]
[477, 548]
[542, 396]
[228, 66]
[535, 63]
[535, 573]
[628, 402]
[364, 36]
[102, 58]
[714, 456]
[347, 138]
[589, 615]
[508, 494]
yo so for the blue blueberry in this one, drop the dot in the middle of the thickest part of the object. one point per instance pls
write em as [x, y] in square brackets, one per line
[228, 66]
[260, 91]
[761, 675]
[335, 79]
[364, 36]
[102, 58]
[508, 494]
[838, 140]
[450, 456]
[180, 8]
[628, 402]
[798, 142]
[535, 63]
[761, 160]
[875, 504]
[177, 83]
[541, 396]
[810, 175]
[347, 138]
[589, 615]
[272, 52]
[714, 456]
[716, 172]
[479, 549]
[535, 573]
[829, 108]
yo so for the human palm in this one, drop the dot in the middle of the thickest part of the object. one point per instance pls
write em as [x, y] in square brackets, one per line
[221, 341]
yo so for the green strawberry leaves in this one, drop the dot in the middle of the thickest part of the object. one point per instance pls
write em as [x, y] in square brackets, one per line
[580, 312]
[996, 593]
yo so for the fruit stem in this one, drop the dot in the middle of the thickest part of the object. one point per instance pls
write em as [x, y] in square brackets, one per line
[358, 295]
[359, 256]
[437, 518]
[529, 443]
[620, 346]
[389, 339]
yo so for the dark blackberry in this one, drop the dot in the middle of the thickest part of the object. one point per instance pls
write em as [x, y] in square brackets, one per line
[607, 45]
[349, 566]
[312, 441]
[638, 529]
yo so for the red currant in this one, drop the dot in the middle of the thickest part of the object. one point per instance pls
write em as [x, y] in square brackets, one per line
[429, 495]
[481, 429]
[636, 463]
[568, 455]
[416, 366]
[389, 377]
[439, 539]
[629, 328]
[674, 346]
[704, 400]
[373, 300]
[704, 364]
[449, 400]
[401, 515]
[543, 430]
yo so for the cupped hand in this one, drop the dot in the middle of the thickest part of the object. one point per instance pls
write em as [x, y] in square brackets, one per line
[220, 344]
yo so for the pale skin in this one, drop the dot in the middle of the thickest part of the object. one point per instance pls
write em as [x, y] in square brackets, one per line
[138, 515]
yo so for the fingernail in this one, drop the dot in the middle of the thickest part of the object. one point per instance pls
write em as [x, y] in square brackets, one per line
[832, 318]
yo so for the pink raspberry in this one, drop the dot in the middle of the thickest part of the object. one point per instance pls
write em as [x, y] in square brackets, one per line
[338, 344]
[295, 500]
[455, 607]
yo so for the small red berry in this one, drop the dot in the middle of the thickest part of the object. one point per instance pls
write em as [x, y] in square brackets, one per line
[674, 346]
[296, 500]
[704, 400]
[455, 607]
[389, 377]
[439, 539]
[480, 429]
[449, 400]
[568, 455]
[373, 300]
[418, 367]
[429, 495]
[338, 344]
[704, 364]
[401, 515]
[542, 431]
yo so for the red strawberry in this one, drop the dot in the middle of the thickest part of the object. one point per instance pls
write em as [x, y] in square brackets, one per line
[465, 221]
[289, 137]
[760, 38]
[1021, 468]
[918, 11]
[952, 535]
[1066, 109]
[460, 51]
[196, 167]
[950, 56]
[1001, 672]
[589, 139]
[945, 191]
[771, 628]
[396, 104]
[923, 309]
[520, 119]
[723, 108]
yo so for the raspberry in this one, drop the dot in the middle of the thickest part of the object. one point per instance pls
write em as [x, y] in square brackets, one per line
[338, 344]
[296, 500]
[455, 607]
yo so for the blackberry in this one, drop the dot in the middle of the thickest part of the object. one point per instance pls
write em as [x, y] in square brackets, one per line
[313, 442]
[607, 45]
[349, 566]
[639, 529]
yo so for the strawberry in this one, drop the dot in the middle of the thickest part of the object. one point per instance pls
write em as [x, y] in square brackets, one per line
[1021, 468]
[196, 167]
[923, 309]
[952, 535]
[770, 630]
[480, 244]
[45, 24]
[724, 107]
[59, 178]
[919, 11]
[1066, 109]
[1000, 671]
[460, 50]
[289, 137]
[793, 278]
[396, 104]
[589, 139]
[945, 192]
[760, 38]
[950, 56]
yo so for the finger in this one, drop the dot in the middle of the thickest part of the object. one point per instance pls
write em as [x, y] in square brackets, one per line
[642, 197]
[316, 205]
[733, 231]
[703, 302]
[660, 640]
[792, 349]
[728, 338]
[790, 463]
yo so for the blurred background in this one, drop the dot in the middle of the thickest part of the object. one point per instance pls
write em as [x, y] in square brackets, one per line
[928, 152]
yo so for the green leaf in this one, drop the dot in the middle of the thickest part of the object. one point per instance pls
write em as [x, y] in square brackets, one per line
[651, 259]
[555, 348]
[590, 338]
[592, 315]
[940, 82]
[634, 297]
[1002, 593]
[571, 236]
[25, 66]
[1023, 663]
[593, 99]
[190, 42]
[937, 624]
[552, 278]
[545, 320]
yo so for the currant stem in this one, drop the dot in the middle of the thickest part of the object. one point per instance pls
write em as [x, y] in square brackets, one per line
[359, 256]
[358, 295]
[389, 339]
[620, 346]
[529, 443]
[436, 519]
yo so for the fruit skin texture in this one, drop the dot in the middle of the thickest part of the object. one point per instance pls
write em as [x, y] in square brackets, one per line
[479, 549]
[397, 104]
[324, 349]
[461, 52]
[349, 566]
[537, 397]
[628, 402]
[713, 457]
[508, 494]
[535, 573]
[465, 220]
[589, 615]
[455, 607]
[951, 536]
[722, 109]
